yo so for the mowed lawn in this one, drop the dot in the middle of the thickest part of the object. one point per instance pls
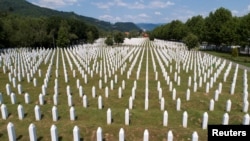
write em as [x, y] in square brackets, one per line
[163, 60]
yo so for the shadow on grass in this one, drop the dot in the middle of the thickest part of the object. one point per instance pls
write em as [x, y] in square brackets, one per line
[19, 137]
[39, 138]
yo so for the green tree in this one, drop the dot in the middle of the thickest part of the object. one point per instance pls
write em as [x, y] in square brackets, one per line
[235, 52]
[196, 25]
[109, 41]
[119, 37]
[63, 39]
[90, 37]
[191, 41]
[214, 24]
[2, 35]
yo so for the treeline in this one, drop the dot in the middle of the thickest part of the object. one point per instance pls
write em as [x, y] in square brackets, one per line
[219, 28]
[24, 31]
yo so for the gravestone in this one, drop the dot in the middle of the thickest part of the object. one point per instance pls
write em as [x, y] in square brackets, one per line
[106, 92]
[174, 94]
[109, 116]
[162, 107]
[34, 82]
[170, 136]
[126, 117]
[80, 91]
[146, 104]
[205, 120]
[55, 99]
[99, 134]
[8, 89]
[37, 113]
[11, 132]
[146, 135]
[76, 133]
[119, 92]
[245, 106]
[121, 135]
[246, 119]
[228, 105]
[4, 112]
[54, 113]
[13, 98]
[93, 92]
[70, 100]
[85, 101]
[19, 88]
[165, 118]
[130, 102]
[185, 119]
[32, 132]
[195, 136]
[188, 95]
[41, 99]
[53, 133]
[100, 105]
[211, 105]
[72, 113]
[178, 104]
[1, 98]
[225, 119]
[20, 112]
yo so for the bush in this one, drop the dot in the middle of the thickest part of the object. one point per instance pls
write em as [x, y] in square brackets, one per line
[235, 52]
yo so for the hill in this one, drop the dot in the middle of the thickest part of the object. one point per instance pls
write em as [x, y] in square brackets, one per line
[24, 8]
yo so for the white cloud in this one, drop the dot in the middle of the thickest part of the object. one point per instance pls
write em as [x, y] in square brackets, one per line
[143, 15]
[108, 5]
[157, 13]
[120, 3]
[160, 4]
[55, 3]
[103, 5]
[235, 12]
[135, 5]
[248, 7]
[110, 18]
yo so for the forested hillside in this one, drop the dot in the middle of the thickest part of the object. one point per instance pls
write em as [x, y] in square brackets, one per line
[25, 24]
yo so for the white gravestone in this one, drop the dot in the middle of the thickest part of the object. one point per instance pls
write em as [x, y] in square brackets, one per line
[11, 132]
[32, 132]
[99, 134]
[76, 133]
[53, 133]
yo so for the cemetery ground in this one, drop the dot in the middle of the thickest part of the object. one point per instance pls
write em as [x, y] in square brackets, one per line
[242, 59]
[156, 64]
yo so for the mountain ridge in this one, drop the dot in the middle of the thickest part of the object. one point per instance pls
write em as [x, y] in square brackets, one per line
[25, 8]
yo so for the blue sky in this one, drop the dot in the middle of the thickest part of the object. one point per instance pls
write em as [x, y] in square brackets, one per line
[145, 11]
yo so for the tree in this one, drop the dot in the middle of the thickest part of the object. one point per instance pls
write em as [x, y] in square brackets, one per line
[109, 41]
[2, 35]
[235, 52]
[191, 41]
[63, 39]
[196, 26]
[214, 24]
[119, 38]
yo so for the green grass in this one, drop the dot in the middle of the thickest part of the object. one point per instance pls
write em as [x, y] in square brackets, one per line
[243, 60]
[89, 119]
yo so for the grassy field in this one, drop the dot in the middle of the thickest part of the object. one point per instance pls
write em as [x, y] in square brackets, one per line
[242, 59]
[90, 118]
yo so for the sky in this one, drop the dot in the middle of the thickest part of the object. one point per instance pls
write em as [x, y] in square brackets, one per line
[145, 11]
